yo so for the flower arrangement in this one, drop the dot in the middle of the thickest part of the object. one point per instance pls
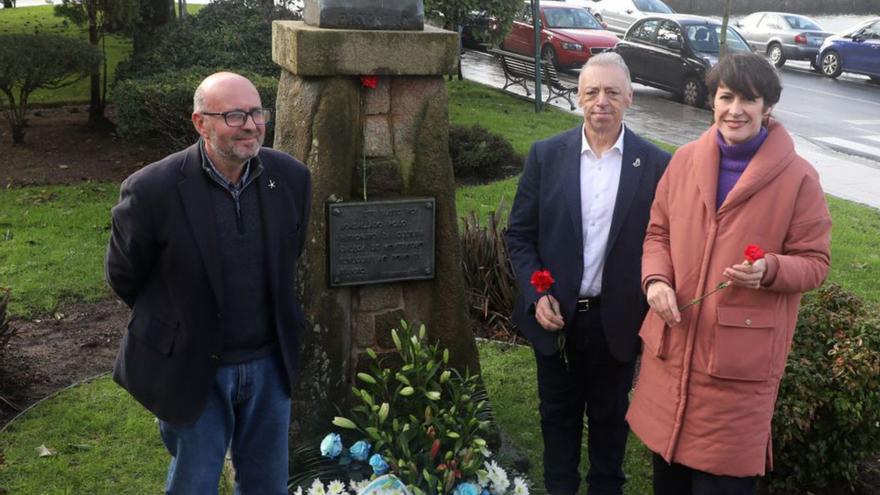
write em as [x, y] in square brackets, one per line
[419, 420]
[492, 479]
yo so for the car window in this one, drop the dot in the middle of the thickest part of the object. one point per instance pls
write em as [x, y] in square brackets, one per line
[770, 22]
[751, 20]
[525, 15]
[800, 22]
[706, 39]
[653, 6]
[871, 32]
[667, 33]
[571, 18]
[644, 32]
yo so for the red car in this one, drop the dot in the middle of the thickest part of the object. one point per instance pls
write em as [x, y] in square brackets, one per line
[569, 36]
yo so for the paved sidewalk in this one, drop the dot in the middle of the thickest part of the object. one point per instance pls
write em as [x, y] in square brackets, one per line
[845, 176]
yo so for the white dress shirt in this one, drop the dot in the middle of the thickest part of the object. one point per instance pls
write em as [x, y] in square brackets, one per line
[600, 178]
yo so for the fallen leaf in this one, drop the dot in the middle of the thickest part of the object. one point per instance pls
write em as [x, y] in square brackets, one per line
[43, 451]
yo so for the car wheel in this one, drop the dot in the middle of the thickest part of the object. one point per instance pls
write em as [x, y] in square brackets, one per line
[776, 55]
[693, 92]
[831, 64]
[548, 55]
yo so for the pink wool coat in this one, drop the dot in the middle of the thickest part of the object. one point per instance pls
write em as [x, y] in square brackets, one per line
[707, 386]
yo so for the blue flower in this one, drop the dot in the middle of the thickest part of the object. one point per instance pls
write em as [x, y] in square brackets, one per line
[378, 464]
[331, 446]
[467, 489]
[360, 451]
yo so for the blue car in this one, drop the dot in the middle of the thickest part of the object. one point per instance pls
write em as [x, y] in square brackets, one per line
[857, 50]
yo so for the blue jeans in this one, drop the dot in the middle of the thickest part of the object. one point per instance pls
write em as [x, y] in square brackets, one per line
[249, 410]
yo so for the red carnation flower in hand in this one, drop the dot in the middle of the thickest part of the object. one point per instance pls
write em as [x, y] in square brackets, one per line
[753, 253]
[369, 81]
[541, 280]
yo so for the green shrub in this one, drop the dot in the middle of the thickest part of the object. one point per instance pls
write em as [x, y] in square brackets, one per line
[236, 34]
[159, 107]
[827, 419]
[428, 421]
[478, 153]
[488, 275]
[32, 61]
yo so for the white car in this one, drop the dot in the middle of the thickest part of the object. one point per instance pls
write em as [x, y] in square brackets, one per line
[620, 14]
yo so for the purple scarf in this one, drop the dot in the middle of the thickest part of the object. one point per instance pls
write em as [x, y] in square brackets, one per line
[734, 160]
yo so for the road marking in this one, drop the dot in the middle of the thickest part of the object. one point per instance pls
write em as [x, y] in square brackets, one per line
[863, 122]
[832, 95]
[779, 110]
[852, 145]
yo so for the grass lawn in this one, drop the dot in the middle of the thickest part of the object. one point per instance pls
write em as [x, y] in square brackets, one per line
[52, 243]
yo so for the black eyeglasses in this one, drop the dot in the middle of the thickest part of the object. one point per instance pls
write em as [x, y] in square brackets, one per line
[238, 118]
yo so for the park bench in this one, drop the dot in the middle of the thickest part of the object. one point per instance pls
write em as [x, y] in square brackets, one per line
[519, 69]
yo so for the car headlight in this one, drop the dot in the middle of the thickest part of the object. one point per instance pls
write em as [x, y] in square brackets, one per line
[573, 47]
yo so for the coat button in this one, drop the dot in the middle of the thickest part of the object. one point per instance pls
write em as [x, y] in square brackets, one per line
[748, 321]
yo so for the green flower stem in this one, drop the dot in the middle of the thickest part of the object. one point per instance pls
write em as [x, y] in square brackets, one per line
[722, 285]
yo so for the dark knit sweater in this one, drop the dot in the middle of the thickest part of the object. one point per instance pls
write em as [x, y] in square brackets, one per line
[734, 160]
[247, 322]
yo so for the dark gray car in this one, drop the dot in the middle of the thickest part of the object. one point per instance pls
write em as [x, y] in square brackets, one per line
[783, 36]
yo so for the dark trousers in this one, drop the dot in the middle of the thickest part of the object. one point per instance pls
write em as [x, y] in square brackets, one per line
[675, 479]
[594, 382]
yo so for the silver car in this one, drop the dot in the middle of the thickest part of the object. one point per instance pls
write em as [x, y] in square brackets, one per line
[620, 14]
[783, 36]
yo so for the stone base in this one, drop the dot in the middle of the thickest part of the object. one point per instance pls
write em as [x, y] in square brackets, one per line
[305, 50]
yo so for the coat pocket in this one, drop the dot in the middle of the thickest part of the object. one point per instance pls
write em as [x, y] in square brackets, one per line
[154, 333]
[654, 335]
[743, 347]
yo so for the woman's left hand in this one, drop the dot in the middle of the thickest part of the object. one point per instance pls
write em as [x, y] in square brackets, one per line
[746, 275]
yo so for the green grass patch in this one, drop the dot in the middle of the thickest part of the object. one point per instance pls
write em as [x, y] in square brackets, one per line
[52, 243]
[855, 259]
[104, 443]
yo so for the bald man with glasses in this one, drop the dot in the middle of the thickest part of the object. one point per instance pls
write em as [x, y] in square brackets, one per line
[203, 249]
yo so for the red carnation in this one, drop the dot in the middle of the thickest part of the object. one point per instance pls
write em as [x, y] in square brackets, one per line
[541, 280]
[369, 81]
[753, 253]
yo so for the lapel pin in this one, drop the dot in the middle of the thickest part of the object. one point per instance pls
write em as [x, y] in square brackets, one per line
[637, 163]
[271, 184]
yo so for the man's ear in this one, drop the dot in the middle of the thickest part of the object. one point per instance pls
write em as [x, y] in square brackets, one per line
[198, 121]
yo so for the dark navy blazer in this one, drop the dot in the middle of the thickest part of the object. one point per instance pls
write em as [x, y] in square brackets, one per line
[545, 232]
[163, 261]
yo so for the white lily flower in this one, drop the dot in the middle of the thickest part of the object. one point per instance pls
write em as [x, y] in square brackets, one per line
[317, 488]
[520, 487]
[335, 487]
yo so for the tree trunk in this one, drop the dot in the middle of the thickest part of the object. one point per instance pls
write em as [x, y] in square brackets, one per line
[17, 133]
[7, 4]
[722, 51]
[181, 9]
[153, 14]
[96, 104]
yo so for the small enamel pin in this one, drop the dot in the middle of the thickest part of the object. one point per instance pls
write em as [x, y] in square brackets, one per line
[271, 184]
[637, 163]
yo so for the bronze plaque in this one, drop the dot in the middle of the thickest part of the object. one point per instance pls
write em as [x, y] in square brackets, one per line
[380, 241]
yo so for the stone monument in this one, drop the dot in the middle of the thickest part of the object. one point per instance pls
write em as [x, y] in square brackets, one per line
[365, 107]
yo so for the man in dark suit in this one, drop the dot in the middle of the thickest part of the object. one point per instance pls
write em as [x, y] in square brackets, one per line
[203, 249]
[580, 211]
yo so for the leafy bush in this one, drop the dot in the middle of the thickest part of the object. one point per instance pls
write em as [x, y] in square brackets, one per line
[236, 34]
[477, 152]
[159, 107]
[32, 61]
[827, 420]
[425, 419]
[488, 275]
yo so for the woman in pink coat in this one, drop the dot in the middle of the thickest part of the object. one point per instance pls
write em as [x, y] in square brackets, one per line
[710, 371]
